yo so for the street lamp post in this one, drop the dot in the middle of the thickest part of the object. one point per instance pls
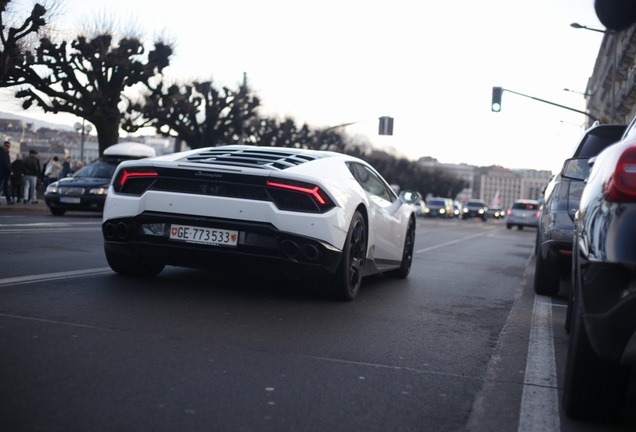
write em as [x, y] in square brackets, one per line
[614, 63]
[84, 129]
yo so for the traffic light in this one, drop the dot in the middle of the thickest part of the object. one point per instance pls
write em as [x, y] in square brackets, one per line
[496, 99]
[386, 126]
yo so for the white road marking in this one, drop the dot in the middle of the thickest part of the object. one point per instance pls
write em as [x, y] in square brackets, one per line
[437, 246]
[540, 401]
[52, 276]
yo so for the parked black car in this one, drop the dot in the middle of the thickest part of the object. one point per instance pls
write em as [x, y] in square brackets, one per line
[556, 221]
[602, 308]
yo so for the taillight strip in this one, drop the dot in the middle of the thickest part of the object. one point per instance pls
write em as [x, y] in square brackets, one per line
[128, 174]
[311, 191]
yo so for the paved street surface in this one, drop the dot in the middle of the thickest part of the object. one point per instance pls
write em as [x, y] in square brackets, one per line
[463, 344]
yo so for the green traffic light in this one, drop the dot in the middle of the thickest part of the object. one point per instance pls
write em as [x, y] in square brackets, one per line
[496, 99]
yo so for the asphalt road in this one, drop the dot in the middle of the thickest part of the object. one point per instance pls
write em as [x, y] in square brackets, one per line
[462, 344]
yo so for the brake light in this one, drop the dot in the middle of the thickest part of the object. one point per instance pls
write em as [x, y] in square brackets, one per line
[126, 174]
[621, 186]
[298, 196]
[134, 180]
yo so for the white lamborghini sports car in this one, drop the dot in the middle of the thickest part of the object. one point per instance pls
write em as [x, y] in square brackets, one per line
[293, 213]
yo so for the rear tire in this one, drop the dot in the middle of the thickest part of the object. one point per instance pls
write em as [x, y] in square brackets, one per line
[407, 253]
[594, 389]
[345, 283]
[546, 276]
[130, 266]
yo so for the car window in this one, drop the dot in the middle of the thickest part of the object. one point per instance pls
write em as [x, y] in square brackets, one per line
[524, 206]
[559, 196]
[97, 169]
[371, 181]
[599, 139]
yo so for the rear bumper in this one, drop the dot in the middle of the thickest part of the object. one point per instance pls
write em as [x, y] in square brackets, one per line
[261, 247]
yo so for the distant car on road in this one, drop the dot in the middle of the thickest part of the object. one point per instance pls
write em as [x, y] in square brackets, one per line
[496, 213]
[601, 316]
[555, 231]
[475, 208]
[439, 207]
[523, 213]
[86, 189]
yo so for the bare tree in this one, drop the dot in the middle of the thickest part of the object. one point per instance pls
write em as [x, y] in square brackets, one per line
[13, 40]
[200, 114]
[88, 78]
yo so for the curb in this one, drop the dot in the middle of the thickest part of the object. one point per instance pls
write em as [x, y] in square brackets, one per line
[40, 207]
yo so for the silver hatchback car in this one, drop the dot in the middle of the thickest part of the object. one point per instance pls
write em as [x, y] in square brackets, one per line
[523, 213]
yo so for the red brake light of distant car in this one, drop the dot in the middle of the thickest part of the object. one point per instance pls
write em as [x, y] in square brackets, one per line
[143, 178]
[621, 186]
[298, 196]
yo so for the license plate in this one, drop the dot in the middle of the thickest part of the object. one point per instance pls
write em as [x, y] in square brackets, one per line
[70, 200]
[202, 235]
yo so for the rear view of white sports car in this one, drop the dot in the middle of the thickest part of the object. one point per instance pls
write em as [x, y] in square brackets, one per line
[292, 213]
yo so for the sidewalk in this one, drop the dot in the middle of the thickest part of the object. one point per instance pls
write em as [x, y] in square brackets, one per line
[40, 207]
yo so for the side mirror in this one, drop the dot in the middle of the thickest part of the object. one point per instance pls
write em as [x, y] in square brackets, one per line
[577, 168]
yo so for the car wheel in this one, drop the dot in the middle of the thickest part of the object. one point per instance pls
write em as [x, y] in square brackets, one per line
[130, 266]
[345, 283]
[407, 253]
[519, 227]
[508, 226]
[546, 276]
[594, 389]
[57, 211]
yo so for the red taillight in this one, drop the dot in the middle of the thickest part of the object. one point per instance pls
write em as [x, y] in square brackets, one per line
[126, 174]
[621, 186]
[298, 196]
[312, 190]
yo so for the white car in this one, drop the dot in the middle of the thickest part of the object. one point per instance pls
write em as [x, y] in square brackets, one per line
[295, 213]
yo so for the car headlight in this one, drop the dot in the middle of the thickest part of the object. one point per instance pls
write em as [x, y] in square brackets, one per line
[98, 191]
[52, 188]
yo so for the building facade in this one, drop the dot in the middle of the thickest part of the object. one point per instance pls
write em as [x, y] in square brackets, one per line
[611, 89]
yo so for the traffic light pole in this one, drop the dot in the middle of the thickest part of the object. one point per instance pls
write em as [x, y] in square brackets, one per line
[552, 103]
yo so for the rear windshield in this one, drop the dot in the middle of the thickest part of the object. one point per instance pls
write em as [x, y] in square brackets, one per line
[598, 140]
[524, 206]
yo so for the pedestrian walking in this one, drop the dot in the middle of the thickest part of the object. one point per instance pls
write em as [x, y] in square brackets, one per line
[53, 169]
[32, 171]
[16, 178]
[66, 167]
[5, 171]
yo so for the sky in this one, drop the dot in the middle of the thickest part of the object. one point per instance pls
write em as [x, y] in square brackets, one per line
[430, 65]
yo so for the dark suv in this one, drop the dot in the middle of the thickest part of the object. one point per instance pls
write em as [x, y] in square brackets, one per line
[556, 221]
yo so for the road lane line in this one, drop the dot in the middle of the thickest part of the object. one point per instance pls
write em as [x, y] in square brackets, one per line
[437, 246]
[540, 400]
[52, 276]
